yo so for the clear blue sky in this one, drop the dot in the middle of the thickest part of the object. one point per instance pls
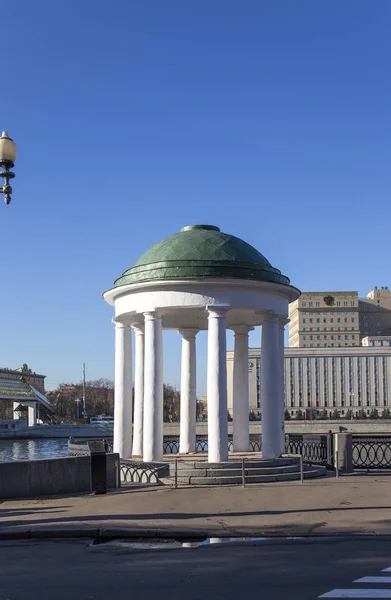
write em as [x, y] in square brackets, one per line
[270, 119]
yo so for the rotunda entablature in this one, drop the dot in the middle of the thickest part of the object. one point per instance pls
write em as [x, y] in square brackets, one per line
[175, 300]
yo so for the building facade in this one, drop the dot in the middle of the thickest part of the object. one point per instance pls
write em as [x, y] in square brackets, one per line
[338, 319]
[375, 313]
[326, 379]
[324, 319]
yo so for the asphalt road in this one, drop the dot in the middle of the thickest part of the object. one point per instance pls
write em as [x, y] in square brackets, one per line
[64, 570]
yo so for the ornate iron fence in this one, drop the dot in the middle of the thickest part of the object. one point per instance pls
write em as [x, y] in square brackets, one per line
[371, 451]
[140, 472]
[315, 449]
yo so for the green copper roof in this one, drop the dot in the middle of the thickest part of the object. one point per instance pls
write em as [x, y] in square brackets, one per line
[201, 251]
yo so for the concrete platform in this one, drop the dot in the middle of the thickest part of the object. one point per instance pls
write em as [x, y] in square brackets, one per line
[194, 469]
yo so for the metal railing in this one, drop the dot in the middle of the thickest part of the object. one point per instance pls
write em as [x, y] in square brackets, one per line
[371, 451]
[141, 472]
[315, 449]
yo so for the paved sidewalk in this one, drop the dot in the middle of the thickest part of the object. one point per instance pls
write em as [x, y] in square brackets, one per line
[356, 504]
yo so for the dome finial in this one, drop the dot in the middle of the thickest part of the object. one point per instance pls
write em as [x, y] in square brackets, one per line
[206, 227]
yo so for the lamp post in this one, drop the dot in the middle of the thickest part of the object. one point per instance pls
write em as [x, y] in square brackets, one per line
[8, 154]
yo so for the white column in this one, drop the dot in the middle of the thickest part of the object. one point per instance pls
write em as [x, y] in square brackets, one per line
[270, 387]
[15, 415]
[153, 389]
[217, 386]
[138, 390]
[281, 395]
[240, 404]
[123, 391]
[32, 414]
[188, 392]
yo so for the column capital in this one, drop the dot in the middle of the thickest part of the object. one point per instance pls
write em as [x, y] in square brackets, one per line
[138, 328]
[241, 329]
[188, 332]
[120, 324]
[152, 316]
[217, 311]
[270, 317]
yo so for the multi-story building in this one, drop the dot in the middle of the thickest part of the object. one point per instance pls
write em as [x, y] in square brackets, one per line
[326, 379]
[375, 313]
[324, 319]
[377, 340]
[338, 319]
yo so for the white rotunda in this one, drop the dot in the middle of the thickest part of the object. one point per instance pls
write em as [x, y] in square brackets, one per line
[198, 279]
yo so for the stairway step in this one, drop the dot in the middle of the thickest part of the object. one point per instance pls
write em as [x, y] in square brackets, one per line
[235, 464]
[309, 473]
[235, 472]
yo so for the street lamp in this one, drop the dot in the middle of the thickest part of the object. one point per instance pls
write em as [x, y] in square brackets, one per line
[8, 154]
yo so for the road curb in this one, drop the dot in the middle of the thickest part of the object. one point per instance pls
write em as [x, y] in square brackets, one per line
[106, 534]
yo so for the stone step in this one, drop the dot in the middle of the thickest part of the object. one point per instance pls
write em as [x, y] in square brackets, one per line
[253, 478]
[232, 464]
[237, 472]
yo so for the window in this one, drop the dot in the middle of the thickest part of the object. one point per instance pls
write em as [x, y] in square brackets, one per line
[324, 320]
[304, 337]
[304, 345]
[331, 320]
[318, 320]
[345, 303]
[303, 303]
[311, 337]
[352, 303]
[318, 337]
[352, 319]
[317, 303]
[325, 337]
[304, 320]
[331, 337]
[339, 337]
[304, 329]
[346, 337]
[338, 303]
[345, 320]
[338, 320]
[311, 320]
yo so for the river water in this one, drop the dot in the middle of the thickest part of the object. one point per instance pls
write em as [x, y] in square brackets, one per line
[32, 449]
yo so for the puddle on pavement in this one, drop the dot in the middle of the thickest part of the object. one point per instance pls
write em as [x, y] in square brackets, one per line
[124, 545]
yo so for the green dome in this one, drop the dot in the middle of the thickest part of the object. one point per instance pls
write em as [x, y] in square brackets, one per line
[201, 251]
